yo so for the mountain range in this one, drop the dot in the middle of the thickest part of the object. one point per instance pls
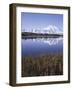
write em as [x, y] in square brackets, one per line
[50, 29]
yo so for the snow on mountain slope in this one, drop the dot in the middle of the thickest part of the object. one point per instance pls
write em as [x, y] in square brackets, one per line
[50, 29]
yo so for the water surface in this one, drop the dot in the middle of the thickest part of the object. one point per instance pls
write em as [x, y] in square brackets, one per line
[39, 46]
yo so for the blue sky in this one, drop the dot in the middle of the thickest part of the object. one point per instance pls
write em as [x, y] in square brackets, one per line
[37, 20]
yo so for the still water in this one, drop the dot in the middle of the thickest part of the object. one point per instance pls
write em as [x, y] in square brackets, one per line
[38, 46]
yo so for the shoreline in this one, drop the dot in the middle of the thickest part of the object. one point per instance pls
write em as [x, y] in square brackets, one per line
[39, 35]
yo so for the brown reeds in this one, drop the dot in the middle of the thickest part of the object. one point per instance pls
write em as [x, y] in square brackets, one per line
[42, 65]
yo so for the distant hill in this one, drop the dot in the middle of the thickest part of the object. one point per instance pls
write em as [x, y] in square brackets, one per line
[38, 35]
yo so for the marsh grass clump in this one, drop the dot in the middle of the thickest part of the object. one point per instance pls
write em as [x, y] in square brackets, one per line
[42, 65]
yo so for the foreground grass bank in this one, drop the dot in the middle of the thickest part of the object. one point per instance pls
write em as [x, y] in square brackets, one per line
[43, 65]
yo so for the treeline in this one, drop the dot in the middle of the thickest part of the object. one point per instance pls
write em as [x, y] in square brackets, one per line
[31, 34]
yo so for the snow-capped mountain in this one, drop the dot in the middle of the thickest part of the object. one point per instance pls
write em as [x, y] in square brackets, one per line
[50, 29]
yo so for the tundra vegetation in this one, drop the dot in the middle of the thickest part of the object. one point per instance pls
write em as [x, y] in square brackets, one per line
[42, 65]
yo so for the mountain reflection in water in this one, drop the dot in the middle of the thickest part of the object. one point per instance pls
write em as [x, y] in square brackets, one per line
[37, 46]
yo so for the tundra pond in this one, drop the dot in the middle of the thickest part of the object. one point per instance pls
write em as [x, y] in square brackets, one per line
[42, 56]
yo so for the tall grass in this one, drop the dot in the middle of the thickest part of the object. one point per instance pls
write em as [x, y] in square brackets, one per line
[42, 65]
